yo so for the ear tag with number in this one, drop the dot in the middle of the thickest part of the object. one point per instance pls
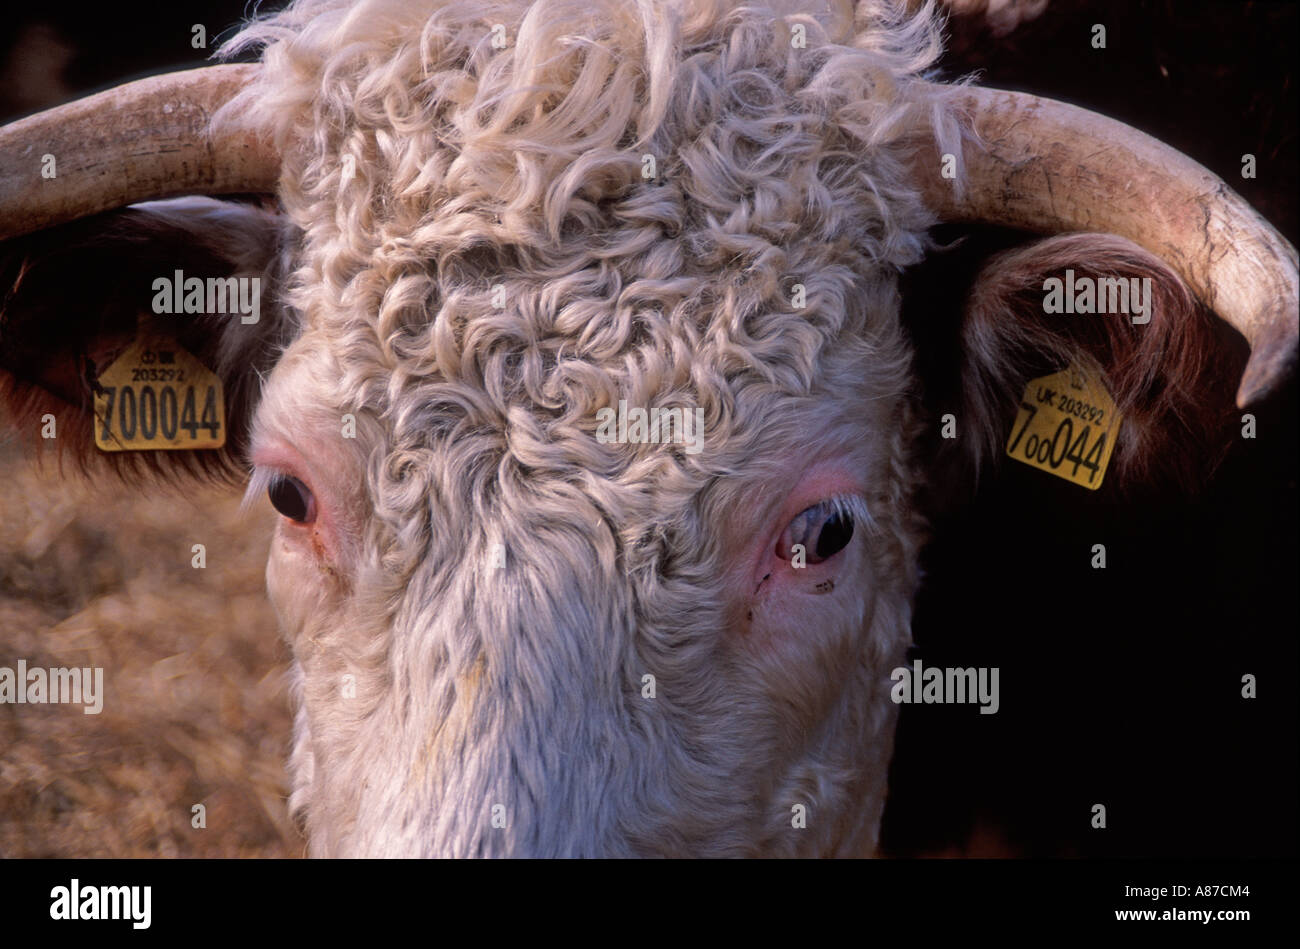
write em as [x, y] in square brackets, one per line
[156, 396]
[1067, 426]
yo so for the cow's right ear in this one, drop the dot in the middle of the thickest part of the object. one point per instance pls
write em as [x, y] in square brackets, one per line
[1167, 363]
[76, 297]
[986, 325]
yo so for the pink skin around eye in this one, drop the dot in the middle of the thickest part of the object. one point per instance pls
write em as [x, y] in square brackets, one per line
[771, 574]
[323, 534]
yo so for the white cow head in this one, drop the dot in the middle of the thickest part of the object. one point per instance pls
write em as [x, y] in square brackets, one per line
[521, 623]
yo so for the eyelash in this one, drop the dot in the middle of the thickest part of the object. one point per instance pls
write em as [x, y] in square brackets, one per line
[848, 508]
[264, 479]
[292, 499]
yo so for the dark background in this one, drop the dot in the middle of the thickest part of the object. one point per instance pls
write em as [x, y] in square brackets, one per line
[1118, 686]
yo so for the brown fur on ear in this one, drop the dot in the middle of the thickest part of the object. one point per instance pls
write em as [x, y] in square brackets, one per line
[1172, 379]
[71, 299]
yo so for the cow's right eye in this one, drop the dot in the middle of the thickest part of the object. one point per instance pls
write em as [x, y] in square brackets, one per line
[823, 530]
[292, 498]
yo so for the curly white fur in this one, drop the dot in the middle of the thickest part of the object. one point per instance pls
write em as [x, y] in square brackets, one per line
[424, 167]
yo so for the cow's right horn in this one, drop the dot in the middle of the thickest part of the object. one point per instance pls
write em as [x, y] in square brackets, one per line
[136, 142]
[1047, 166]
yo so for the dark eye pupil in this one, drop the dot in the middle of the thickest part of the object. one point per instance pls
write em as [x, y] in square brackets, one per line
[835, 535]
[290, 497]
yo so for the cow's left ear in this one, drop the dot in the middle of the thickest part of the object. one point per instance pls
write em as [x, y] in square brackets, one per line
[1112, 313]
[75, 298]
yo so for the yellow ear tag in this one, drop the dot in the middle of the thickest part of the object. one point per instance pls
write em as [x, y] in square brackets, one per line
[156, 396]
[1067, 426]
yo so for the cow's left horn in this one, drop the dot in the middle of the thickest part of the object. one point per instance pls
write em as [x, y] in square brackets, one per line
[142, 140]
[1046, 166]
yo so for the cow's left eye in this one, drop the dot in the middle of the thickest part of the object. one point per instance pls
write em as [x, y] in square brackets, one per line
[823, 529]
[292, 498]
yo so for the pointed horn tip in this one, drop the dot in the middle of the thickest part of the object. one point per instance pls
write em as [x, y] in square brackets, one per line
[1272, 364]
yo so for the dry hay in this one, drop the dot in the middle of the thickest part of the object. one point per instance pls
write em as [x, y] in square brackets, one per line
[196, 707]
